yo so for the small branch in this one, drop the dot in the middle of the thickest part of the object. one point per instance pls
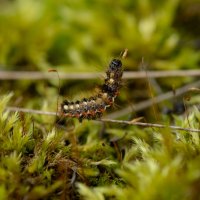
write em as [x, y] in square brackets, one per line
[30, 75]
[16, 109]
[149, 125]
[26, 110]
[25, 75]
[161, 74]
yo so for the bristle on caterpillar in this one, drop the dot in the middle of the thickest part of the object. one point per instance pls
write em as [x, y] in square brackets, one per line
[95, 106]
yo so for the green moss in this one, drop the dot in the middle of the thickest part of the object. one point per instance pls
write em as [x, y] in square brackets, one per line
[157, 164]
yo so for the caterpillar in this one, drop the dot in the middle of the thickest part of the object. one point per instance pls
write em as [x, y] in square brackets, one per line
[94, 107]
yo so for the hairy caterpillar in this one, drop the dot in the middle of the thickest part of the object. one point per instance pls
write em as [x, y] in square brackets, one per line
[95, 106]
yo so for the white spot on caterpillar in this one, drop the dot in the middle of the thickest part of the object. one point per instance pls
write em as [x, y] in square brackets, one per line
[111, 80]
[71, 107]
[105, 95]
[65, 107]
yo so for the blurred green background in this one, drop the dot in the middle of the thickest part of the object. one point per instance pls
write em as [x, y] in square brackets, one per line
[83, 36]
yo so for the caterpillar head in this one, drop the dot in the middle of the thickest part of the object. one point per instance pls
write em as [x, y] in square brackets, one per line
[115, 64]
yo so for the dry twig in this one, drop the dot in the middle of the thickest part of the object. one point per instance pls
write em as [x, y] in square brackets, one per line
[16, 109]
[25, 75]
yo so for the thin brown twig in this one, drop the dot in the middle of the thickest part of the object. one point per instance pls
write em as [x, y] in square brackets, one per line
[32, 75]
[16, 109]
[149, 125]
[26, 110]
[151, 94]
[147, 103]
[59, 85]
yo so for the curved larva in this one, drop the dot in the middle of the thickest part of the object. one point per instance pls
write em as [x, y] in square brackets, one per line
[95, 106]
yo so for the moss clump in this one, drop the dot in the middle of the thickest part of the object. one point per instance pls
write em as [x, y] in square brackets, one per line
[41, 162]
